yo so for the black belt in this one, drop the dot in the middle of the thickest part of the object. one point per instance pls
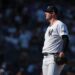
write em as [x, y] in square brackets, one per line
[46, 54]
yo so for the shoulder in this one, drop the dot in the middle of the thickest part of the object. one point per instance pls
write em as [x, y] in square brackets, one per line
[61, 24]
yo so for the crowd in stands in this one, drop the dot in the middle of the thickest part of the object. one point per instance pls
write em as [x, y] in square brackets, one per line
[22, 28]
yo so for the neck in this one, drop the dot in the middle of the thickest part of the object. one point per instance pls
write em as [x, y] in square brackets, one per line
[52, 21]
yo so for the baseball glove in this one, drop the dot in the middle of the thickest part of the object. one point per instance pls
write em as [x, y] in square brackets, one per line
[60, 60]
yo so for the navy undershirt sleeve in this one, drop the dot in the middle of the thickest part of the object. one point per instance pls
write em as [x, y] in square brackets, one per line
[65, 39]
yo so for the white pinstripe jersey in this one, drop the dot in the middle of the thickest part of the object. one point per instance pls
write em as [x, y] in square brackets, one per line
[53, 40]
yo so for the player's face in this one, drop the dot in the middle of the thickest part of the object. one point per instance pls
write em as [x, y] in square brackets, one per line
[48, 15]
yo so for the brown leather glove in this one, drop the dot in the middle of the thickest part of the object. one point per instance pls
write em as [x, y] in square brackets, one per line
[60, 60]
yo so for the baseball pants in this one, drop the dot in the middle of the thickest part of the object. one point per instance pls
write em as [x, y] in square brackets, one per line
[49, 67]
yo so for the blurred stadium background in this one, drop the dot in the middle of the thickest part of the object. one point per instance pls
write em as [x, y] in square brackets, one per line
[22, 27]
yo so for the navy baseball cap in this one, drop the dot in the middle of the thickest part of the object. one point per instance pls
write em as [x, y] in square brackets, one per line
[51, 9]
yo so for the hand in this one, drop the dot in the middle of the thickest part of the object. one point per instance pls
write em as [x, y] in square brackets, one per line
[61, 54]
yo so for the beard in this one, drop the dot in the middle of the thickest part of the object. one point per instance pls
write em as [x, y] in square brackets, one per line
[49, 18]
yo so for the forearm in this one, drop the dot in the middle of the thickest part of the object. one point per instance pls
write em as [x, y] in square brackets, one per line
[65, 39]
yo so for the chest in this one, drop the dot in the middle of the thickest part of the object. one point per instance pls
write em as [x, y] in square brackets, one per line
[51, 31]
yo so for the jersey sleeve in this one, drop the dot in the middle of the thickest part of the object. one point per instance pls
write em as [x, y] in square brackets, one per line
[62, 29]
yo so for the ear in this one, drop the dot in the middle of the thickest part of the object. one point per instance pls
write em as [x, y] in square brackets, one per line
[53, 13]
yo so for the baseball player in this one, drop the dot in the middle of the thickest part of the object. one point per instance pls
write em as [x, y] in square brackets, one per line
[56, 42]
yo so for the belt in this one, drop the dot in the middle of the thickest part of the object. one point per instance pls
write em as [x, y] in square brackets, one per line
[46, 54]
